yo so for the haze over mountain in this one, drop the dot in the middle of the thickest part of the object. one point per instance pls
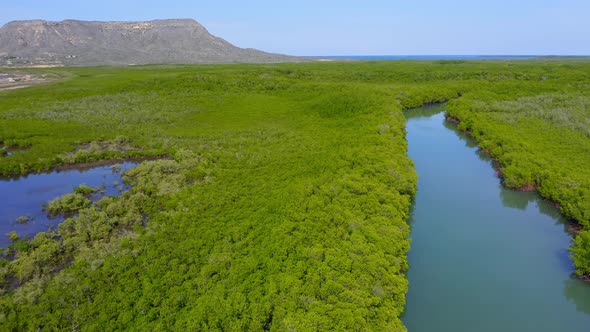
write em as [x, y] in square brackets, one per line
[73, 42]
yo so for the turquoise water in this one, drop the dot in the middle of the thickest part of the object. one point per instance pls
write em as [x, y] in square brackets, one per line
[483, 258]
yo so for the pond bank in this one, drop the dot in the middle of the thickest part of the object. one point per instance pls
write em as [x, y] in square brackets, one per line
[22, 198]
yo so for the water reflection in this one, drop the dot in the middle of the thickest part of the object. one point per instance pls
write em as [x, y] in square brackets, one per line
[465, 137]
[483, 258]
[510, 198]
[515, 199]
[571, 291]
[549, 209]
[424, 112]
[21, 198]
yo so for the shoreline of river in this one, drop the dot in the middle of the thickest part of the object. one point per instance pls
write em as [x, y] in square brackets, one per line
[574, 227]
[476, 244]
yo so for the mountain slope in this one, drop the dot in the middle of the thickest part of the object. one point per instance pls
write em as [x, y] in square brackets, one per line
[73, 42]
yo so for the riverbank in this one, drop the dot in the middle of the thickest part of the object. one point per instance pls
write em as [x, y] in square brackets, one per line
[285, 205]
[575, 226]
[534, 151]
[476, 244]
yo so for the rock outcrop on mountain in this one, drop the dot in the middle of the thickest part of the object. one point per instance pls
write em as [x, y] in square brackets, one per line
[84, 43]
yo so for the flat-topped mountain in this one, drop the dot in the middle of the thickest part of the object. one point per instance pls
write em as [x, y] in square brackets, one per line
[73, 42]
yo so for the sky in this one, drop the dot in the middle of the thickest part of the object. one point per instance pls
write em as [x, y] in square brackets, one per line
[379, 27]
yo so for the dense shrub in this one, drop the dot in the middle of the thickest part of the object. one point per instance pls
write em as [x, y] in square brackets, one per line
[285, 202]
[540, 134]
[67, 203]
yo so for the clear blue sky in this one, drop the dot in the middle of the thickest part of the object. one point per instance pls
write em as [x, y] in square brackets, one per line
[358, 27]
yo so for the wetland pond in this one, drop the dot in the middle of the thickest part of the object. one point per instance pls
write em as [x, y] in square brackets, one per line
[483, 258]
[24, 196]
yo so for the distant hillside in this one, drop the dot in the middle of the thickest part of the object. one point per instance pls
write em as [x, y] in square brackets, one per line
[72, 43]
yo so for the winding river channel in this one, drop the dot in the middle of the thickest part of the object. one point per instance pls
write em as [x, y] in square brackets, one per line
[483, 258]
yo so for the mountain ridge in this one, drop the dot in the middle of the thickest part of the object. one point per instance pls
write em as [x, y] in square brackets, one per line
[79, 43]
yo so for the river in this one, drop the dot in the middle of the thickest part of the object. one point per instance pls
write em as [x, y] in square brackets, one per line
[483, 258]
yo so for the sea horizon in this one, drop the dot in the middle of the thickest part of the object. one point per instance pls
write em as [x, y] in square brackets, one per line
[443, 57]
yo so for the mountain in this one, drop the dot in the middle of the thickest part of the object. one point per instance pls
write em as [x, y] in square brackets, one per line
[83, 43]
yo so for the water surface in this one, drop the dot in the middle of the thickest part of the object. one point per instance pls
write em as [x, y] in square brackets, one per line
[483, 258]
[24, 196]
[429, 57]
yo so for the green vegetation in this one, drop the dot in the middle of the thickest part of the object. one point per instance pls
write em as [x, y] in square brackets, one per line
[540, 134]
[24, 219]
[85, 190]
[13, 236]
[67, 204]
[284, 205]
[581, 253]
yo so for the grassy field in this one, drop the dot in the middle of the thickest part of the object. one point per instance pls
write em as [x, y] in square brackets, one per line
[283, 204]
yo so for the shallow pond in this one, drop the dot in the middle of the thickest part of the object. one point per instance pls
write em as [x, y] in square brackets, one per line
[24, 196]
[483, 258]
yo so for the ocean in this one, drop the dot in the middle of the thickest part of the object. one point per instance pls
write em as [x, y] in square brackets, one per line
[428, 57]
